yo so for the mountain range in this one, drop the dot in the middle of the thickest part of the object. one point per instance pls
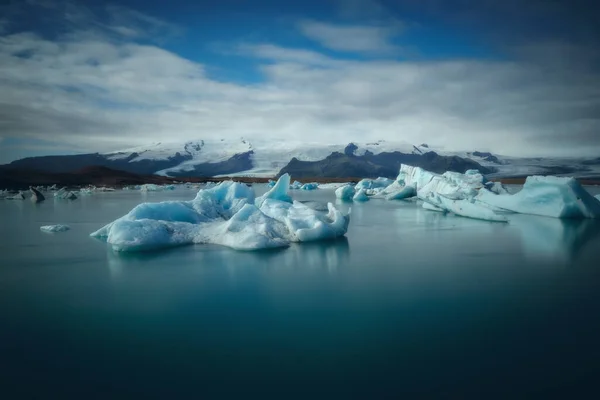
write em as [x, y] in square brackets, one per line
[242, 157]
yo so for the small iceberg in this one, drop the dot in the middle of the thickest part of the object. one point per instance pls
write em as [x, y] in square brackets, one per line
[36, 195]
[65, 194]
[345, 192]
[310, 186]
[18, 196]
[227, 214]
[374, 183]
[54, 228]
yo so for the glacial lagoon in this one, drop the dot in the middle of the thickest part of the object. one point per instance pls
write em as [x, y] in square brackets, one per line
[409, 302]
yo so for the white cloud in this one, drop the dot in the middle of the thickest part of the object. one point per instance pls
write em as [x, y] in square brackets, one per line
[89, 91]
[278, 53]
[352, 38]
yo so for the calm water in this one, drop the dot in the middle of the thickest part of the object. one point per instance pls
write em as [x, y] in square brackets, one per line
[412, 303]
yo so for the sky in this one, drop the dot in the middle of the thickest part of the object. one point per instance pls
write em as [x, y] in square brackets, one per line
[513, 77]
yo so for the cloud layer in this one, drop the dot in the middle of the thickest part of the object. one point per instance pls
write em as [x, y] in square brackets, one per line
[111, 86]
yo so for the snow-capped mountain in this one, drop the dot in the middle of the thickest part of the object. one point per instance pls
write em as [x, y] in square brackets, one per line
[266, 158]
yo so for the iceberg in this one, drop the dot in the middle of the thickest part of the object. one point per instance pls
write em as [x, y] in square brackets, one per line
[227, 214]
[333, 185]
[597, 197]
[65, 194]
[54, 228]
[150, 187]
[452, 191]
[548, 196]
[374, 183]
[361, 195]
[18, 196]
[296, 185]
[345, 192]
[36, 195]
[310, 186]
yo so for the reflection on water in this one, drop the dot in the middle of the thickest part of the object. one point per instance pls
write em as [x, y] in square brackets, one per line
[558, 239]
[322, 256]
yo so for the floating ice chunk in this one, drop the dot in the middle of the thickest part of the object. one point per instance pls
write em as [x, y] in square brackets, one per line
[296, 185]
[332, 185]
[36, 195]
[361, 195]
[548, 196]
[345, 192]
[271, 183]
[405, 192]
[597, 197]
[150, 187]
[18, 196]
[54, 228]
[228, 215]
[373, 183]
[277, 192]
[65, 194]
[451, 191]
[310, 186]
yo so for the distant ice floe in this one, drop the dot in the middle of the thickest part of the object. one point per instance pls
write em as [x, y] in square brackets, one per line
[471, 195]
[310, 186]
[227, 214]
[149, 187]
[18, 196]
[54, 228]
[374, 183]
[65, 194]
[345, 192]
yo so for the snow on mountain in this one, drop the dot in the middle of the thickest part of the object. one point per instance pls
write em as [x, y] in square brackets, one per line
[268, 157]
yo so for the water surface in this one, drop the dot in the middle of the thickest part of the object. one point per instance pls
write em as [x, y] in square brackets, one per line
[410, 303]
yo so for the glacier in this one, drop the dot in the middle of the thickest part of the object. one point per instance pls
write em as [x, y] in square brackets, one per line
[548, 196]
[227, 214]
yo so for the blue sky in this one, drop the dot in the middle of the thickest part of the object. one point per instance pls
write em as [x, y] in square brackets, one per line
[512, 77]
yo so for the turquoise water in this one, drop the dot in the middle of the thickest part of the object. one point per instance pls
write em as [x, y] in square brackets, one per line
[411, 303]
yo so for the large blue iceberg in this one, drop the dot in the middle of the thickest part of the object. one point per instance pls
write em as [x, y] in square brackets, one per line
[227, 214]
